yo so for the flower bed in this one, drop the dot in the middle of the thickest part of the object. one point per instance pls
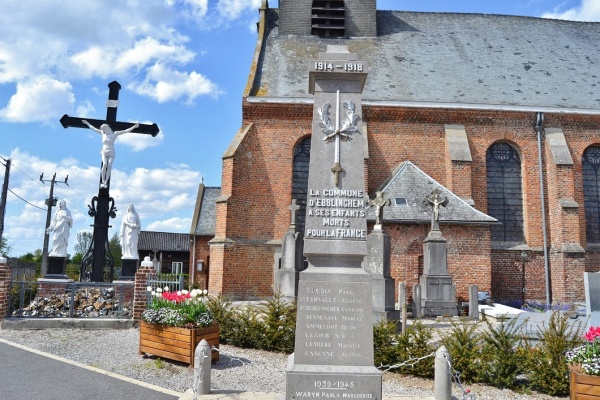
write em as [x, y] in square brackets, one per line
[178, 344]
[585, 367]
[174, 324]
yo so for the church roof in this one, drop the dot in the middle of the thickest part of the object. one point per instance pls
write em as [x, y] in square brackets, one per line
[163, 241]
[205, 213]
[470, 59]
[407, 189]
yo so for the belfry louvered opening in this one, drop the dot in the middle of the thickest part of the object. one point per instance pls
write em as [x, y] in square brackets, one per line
[328, 18]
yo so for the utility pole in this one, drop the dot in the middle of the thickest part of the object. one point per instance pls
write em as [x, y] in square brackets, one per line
[4, 192]
[50, 202]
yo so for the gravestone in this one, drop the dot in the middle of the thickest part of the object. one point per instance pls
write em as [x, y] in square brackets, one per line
[377, 264]
[333, 355]
[438, 295]
[287, 275]
[591, 282]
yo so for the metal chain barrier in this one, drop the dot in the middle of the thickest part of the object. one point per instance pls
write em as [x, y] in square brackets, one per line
[455, 375]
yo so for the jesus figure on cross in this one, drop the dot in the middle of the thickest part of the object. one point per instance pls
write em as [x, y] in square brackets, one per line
[108, 148]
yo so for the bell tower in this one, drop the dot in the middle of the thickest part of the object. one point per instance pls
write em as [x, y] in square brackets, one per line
[328, 18]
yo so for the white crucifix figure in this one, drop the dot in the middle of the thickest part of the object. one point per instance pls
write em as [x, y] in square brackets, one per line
[335, 133]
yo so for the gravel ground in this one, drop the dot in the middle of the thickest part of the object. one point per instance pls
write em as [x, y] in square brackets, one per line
[237, 369]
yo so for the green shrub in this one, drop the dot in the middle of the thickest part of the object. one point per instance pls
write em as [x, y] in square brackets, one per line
[465, 344]
[279, 320]
[385, 343]
[548, 370]
[222, 311]
[416, 344]
[269, 326]
[501, 358]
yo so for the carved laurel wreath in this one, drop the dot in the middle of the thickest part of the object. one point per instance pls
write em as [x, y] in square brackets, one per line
[348, 126]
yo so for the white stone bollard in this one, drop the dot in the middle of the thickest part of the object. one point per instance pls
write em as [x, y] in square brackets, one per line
[473, 302]
[202, 360]
[442, 378]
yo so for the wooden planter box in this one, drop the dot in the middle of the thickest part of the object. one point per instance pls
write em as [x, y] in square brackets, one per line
[583, 386]
[177, 344]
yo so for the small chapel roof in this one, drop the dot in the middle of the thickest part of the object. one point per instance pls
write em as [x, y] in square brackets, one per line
[163, 241]
[205, 212]
[471, 59]
[407, 189]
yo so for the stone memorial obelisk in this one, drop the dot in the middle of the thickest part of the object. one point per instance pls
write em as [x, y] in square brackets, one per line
[333, 354]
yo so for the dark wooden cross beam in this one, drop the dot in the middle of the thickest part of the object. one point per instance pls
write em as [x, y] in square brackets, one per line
[102, 207]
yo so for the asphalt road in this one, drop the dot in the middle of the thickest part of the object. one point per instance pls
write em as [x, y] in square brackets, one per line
[27, 375]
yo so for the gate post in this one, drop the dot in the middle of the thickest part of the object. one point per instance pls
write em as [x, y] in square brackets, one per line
[140, 295]
[5, 277]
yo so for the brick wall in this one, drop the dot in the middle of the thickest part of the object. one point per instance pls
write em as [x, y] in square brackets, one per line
[5, 277]
[257, 192]
[140, 296]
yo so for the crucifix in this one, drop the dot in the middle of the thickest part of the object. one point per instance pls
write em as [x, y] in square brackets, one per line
[335, 132]
[436, 199]
[97, 264]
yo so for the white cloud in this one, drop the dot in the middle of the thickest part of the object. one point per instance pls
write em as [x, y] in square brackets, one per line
[140, 142]
[41, 99]
[232, 9]
[165, 84]
[164, 197]
[178, 225]
[588, 10]
[105, 62]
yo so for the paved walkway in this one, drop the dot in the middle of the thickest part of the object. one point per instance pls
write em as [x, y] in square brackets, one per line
[30, 374]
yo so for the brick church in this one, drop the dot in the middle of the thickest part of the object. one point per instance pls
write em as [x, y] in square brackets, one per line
[501, 113]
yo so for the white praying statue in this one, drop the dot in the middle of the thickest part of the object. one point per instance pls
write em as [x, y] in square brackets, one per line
[130, 232]
[60, 227]
[108, 148]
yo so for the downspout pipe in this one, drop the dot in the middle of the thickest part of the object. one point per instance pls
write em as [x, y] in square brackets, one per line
[539, 129]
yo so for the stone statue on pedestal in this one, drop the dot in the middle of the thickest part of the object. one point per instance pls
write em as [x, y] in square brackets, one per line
[60, 228]
[130, 232]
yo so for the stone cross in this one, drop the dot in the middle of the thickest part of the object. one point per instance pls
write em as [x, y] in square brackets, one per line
[435, 199]
[379, 202]
[98, 256]
[293, 208]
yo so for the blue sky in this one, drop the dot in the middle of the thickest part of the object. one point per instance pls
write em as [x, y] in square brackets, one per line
[182, 64]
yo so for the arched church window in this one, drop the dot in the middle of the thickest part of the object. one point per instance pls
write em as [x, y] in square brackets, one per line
[504, 193]
[328, 18]
[300, 180]
[590, 164]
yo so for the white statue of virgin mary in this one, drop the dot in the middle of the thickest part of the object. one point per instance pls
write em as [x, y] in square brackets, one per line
[130, 232]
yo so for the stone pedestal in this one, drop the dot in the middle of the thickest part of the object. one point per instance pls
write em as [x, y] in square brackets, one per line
[56, 268]
[377, 264]
[129, 268]
[438, 296]
[334, 337]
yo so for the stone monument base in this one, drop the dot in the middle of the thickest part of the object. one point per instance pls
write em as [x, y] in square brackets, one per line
[384, 306]
[332, 381]
[128, 268]
[56, 268]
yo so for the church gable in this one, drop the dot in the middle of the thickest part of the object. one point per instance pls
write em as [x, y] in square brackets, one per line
[407, 189]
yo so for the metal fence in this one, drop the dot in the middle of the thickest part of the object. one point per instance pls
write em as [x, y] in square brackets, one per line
[32, 299]
[174, 282]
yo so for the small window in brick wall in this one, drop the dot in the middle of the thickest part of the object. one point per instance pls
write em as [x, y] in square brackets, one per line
[300, 180]
[590, 164]
[328, 18]
[504, 193]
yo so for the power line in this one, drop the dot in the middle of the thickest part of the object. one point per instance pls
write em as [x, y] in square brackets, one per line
[33, 205]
